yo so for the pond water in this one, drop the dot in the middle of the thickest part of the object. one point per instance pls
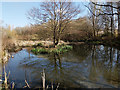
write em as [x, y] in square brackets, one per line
[85, 66]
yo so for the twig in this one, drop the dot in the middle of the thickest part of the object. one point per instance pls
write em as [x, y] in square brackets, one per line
[0, 80]
[47, 87]
[24, 86]
[57, 86]
[52, 85]
[13, 85]
[8, 74]
[27, 84]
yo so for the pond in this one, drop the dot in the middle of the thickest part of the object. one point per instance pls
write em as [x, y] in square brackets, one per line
[89, 66]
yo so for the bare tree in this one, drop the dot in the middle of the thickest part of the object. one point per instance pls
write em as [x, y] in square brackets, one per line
[55, 15]
[94, 18]
[114, 7]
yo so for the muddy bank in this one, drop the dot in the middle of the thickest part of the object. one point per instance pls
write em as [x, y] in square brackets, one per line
[76, 43]
[19, 44]
[31, 43]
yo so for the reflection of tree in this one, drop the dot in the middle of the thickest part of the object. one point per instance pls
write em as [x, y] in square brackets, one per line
[118, 57]
[54, 70]
[59, 65]
[70, 67]
[82, 50]
[29, 50]
[118, 66]
[107, 64]
[57, 68]
[103, 62]
[93, 70]
[79, 53]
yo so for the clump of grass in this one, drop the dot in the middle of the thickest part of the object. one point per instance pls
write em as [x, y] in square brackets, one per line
[59, 49]
[62, 48]
[40, 51]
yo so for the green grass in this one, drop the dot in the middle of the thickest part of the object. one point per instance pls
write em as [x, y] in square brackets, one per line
[59, 49]
[62, 49]
[40, 51]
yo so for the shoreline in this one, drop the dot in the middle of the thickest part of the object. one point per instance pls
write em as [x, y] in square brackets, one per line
[19, 44]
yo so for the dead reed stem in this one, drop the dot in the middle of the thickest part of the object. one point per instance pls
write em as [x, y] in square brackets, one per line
[52, 85]
[57, 86]
[27, 84]
[6, 79]
[43, 79]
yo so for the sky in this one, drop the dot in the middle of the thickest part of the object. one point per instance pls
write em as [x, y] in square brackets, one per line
[14, 13]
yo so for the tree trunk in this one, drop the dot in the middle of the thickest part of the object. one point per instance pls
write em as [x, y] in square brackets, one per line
[119, 24]
[54, 38]
[93, 26]
[94, 22]
[111, 25]
[119, 18]
[54, 27]
[111, 21]
[57, 40]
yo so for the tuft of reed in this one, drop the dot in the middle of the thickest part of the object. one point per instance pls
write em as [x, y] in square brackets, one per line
[6, 85]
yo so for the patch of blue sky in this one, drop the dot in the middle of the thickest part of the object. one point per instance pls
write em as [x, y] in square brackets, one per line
[14, 13]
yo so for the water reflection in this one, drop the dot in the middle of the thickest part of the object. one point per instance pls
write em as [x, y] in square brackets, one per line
[84, 66]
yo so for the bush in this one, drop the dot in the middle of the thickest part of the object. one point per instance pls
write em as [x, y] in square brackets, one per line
[8, 38]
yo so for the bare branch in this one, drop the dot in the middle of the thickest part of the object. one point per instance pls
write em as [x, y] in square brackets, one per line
[101, 13]
[104, 5]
